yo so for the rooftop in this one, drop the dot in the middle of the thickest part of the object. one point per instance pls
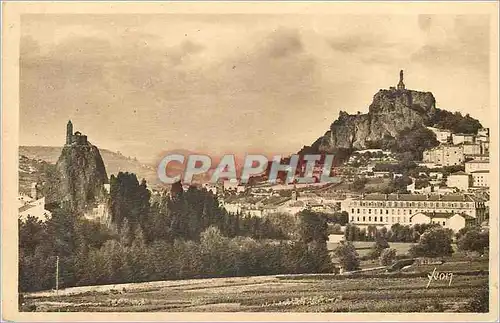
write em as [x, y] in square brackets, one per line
[416, 197]
[477, 161]
[26, 207]
[444, 215]
[460, 173]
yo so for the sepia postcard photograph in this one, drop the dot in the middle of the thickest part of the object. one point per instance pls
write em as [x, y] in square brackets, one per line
[250, 161]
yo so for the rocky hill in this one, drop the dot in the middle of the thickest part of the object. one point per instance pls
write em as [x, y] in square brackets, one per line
[390, 113]
[80, 176]
[114, 162]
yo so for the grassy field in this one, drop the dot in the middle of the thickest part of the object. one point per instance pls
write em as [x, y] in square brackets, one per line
[404, 292]
[363, 247]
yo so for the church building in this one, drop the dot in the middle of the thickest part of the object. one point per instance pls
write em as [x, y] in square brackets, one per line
[76, 138]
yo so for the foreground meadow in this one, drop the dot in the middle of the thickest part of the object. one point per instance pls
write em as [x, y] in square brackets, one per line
[401, 292]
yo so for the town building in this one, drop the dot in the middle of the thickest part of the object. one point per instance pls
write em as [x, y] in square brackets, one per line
[33, 205]
[389, 209]
[444, 155]
[480, 178]
[34, 208]
[484, 132]
[459, 138]
[460, 180]
[453, 221]
[477, 156]
[485, 146]
[442, 135]
[233, 185]
[476, 164]
[471, 148]
[412, 188]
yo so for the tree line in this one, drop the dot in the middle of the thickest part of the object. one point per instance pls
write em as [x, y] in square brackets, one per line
[186, 234]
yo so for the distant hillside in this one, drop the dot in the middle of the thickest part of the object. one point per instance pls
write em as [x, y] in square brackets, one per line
[113, 161]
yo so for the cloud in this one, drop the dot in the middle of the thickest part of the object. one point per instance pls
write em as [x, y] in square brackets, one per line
[461, 41]
[194, 83]
[177, 54]
[424, 22]
[355, 43]
[283, 42]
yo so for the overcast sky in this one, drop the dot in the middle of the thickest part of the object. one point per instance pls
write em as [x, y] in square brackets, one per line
[142, 84]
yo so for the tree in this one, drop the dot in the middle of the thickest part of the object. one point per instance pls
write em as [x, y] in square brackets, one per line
[379, 245]
[435, 242]
[313, 226]
[129, 200]
[474, 240]
[387, 256]
[335, 229]
[347, 255]
[415, 141]
[359, 183]
[338, 217]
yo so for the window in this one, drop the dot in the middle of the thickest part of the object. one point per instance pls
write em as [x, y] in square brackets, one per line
[444, 223]
[399, 219]
[375, 219]
[369, 218]
[369, 211]
[375, 211]
[392, 219]
[352, 211]
[381, 219]
[386, 219]
[410, 211]
[364, 219]
[352, 218]
[410, 219]
[358, 211]
[386, 211]
[364, 211]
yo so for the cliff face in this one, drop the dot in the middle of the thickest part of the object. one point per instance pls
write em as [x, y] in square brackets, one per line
[390, 112]
[81, 176]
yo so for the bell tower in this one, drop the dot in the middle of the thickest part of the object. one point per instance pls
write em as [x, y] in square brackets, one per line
[401, 85]
[69, 133]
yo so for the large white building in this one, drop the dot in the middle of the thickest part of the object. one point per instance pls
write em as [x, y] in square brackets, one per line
[459, 138]
[476, 164]
[460, 180]
[28, 206]
[32, 205]
[472, 149]
[388, 209]
[454, 221]
[481, 178]
[444, 155]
